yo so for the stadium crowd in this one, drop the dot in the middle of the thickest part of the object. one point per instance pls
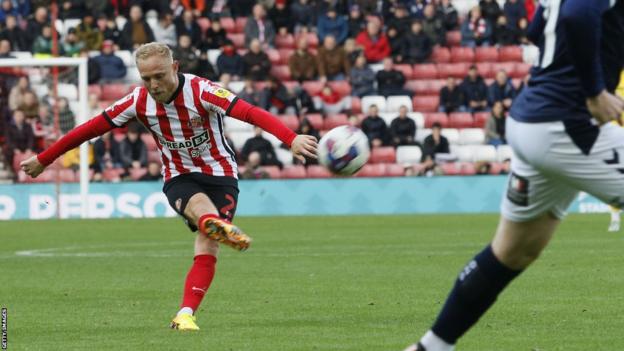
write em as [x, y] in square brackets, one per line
[429, 84]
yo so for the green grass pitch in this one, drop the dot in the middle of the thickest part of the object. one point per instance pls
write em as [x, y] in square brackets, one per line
[308, 283]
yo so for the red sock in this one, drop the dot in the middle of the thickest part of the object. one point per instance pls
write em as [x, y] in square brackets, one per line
[198, 280]
[204, 218]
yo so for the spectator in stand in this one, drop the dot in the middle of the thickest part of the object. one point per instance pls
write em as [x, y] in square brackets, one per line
[153, 173]
[111, 31]
[72, 45]
[329, 101]
[20, 137]
[333, 24]
[93, 68]
[449, 15]
[136, 31]
[375, 127]
[89, 33]
[256, 62]
[396, 44]
[186, 55]
[501, 90]
[452, 97]
[333, 63]
[262, 146]
[187, 24]
[7, 9]
[433, 145]
[165, 30]
[490, 10]
[495, 125]
[356, 22]
[306, 128]
[34, 28]
[197, 7]
[521, 32]
[230, 62]
[42, 46]
[362, 78]
[206, 69]
[400, 21]
[260, 28]
[475, 30]
[249, 93]
[368, 7]
[402, 129]
[133, 150]
[67, 119]
[29, 105]
[514, 10]
[302, 63]
[374, 41]
[391, 81]
[253, 169]
[215, 38]
[433, 26]
[301, 12]
[111, 66]
[475, 91]
[107, 153]
[276, 98]
[280, 17]
[352, 50]
[16, 95]
[72, 9]
[504, 35]
[417, 47]
[14, 34]
[5, 49]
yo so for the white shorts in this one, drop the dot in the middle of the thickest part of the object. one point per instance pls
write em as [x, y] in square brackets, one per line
[553, 161]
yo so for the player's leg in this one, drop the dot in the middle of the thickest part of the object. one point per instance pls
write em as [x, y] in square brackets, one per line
[614, 226]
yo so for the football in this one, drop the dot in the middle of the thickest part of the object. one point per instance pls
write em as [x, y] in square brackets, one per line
[343, 150]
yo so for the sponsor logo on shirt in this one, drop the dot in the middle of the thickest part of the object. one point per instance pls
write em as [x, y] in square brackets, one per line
[195, 141]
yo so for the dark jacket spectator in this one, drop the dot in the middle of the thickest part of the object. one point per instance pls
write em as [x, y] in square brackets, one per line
[501, 90]
[133, 150]
[375, 127]
[475, 91]
[356, 22]
[249, 93]
[72, 9]
[302, 64]
[15, 35]
[35, 25]
[514, 10]
[417, 46]
[256, 62]
[332, 60]
[401, 20]
[495, 126]
[396, 44]
[136, 31]
[43, 43]
[434, 26]
[20, 135]
[504, 35]
[230, 62]
[259, 27]
[302, 13]
[362, 78]
[187, 24]
[186, 55]
[452, 97]
[111, 31]
[402, 129]
[215, 38]
[374, 41]
[332, 24]
[71, 44]
[259, 144]
[275, 97]
[391, 81]
[475, 30]
[107, 153]
[111, 66]
[435, 143]
[449, 15]
[281, 18]
[490, 10]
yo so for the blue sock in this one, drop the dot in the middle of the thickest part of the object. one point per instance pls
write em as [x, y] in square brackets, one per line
[475, 290]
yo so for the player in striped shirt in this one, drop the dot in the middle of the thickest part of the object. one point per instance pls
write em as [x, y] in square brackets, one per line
[184, 113]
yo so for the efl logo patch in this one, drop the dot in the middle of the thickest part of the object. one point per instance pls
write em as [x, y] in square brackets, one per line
[222, 93]
[518, 190]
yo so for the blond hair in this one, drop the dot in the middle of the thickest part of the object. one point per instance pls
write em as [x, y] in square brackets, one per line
[153, 49]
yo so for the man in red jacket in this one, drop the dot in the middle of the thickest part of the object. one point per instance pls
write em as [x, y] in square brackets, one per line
[374, 41]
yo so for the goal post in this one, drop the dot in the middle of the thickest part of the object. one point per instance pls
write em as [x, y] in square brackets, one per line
[81, 114]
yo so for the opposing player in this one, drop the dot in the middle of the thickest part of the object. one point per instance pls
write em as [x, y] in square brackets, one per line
[559, 149]
[185, 113]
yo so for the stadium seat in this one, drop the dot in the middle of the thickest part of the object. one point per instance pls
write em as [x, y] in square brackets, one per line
[316, 120]
[456, 70]
[285, 41]
[69, 91]
[378, 100]
[228, 24]
[464, 153]
[95, 89]
[356, 104]
[149, 141]
[460, 120]
[405, 69]
[426, 103]
[486, 54]
[451, 134]
[281, 72]
[112, 174]
[342, 87]
[127, 57]
[316, 171]
[467, 169]
[462, 54]
[114, 91]
[485, 70]
[424, 71]
[372, 170]
[312, 87]
[383, 154]
[394, 170]
[238, 39]
[291, 121]
[408, 154]
[393, 103]
[418, 118]
[510, 54]
[312, 38]
[471, 136]
[136, 173]
[46, 177]
[154, 156]
[204, 24]
[485, 153]
[421, 134]
[233, 124]
[285, 55]
[508, 67]
[521, 70]
[480, 119]
[274, 56]
[440, 54]
[453, 38]
[503, 153]
[432, 117]
[333, 121]
[239, 24]
[284, 156]
[273, 171]
[388, 117]
[425, 86]
[450, 169]
[294, 172]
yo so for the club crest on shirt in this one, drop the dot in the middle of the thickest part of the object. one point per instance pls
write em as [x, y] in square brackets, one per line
[196, 122]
